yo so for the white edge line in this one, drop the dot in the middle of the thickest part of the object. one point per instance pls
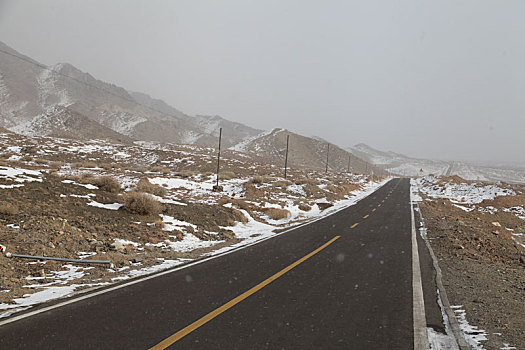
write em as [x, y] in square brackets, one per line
[418, 302]
[168, 271]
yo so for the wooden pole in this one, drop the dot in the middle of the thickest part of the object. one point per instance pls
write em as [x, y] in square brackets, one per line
[327, 154]
[286, 156]
[219, 157]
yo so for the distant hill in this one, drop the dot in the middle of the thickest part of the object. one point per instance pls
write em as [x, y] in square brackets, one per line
[400, 164]
[31, 93]
[304, 151]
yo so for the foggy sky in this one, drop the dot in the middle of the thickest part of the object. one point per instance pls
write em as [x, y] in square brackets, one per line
[434, 79]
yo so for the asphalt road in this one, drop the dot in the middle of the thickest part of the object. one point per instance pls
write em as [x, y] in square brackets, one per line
[328, 285]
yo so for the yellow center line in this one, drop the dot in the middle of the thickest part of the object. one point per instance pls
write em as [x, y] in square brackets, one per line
[364, 217]
[374, 209]
[203, 320]
[354, 225]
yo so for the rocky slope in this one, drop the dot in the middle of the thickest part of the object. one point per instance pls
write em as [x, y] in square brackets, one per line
[31, 92]
[310, 152]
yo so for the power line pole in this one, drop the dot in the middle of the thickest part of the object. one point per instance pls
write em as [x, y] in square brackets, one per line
[286, 156]
[349, 157]
[219, 158]
[327, 154]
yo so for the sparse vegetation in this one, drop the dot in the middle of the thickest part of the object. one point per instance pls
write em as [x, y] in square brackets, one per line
[84, 164]
[105, 183]
[227, 175]
[8, 209]
[145, 186]
[304, 207]
[160, 169]
[141, 203]
[277, 213]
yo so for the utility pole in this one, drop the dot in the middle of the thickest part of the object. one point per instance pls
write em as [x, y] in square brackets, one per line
[286, 156]
[219, 158]
[349, 157]
[327, 154]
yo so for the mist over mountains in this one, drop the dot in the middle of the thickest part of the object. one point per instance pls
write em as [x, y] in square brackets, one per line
[35, 99]
[63, 101]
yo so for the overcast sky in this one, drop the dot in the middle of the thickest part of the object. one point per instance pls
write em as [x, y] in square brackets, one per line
[434, 79]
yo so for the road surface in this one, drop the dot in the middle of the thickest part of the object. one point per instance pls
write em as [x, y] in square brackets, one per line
[342, 282]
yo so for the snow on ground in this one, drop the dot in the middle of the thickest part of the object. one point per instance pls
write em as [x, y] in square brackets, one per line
[18, 175]
[249, 232]
[462, 193]
[472, 335]
[58, 287]
[112, 206]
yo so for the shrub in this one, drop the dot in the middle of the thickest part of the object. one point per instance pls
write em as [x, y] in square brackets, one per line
[145, 186]
[257, 180]
[277, 214]
[307, 182]
[84, 164]
[141, 203]
[8, 209]
[160, 224]
[282, 183]
[41, 161]
[227, 175]
[304, 207]
[185, 173]
[106, 183]
[160, 169]
[109, 166]
[56, 164]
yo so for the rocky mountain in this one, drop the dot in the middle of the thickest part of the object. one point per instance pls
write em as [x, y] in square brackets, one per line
[31, 94]
[304, 152]
[400, 164]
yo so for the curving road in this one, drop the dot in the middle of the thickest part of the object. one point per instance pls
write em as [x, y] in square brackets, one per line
[343, 282]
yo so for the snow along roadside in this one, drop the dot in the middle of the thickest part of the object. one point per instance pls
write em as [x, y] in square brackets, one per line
[439, 341]
[170, 266]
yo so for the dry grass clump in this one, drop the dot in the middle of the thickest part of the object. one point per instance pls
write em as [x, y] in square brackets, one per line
[227, 175]
[307, 182]
[84, 164]
[8, 209]
[30, 150]
[109, 166]
[56, 164]
[304, 207]
[282, 183]
[26, 159]
[277, 214]
[141, 203]
[105, 183]
[145, 186]
[257, 179]
[185, 173]
[313, 191]
[160, 224]
[160, 169]
[41, 161]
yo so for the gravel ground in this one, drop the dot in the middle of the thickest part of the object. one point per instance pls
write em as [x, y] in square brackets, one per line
[483, 269]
